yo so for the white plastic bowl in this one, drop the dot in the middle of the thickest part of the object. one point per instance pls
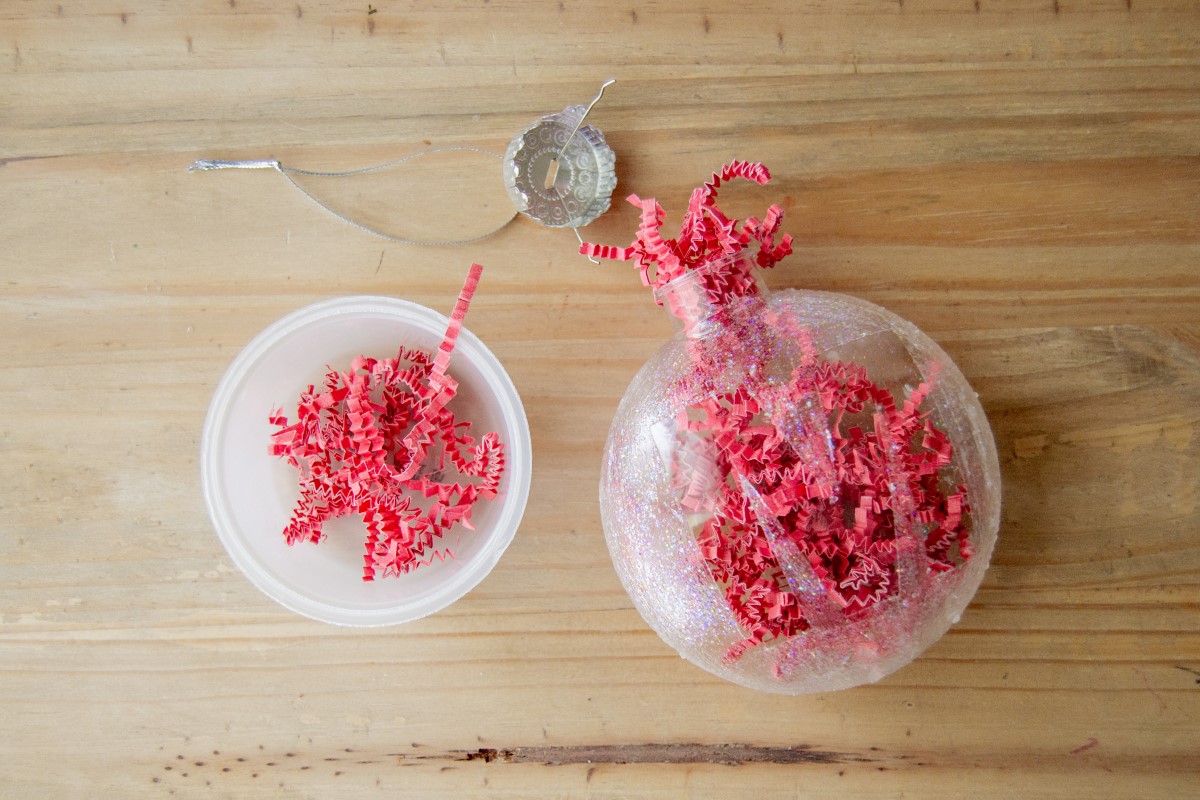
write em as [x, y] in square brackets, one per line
[250, 494]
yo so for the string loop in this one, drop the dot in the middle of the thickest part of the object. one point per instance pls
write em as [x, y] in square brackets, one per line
[205, 164]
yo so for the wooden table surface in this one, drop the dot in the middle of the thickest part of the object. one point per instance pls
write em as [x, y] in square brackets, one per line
[1020, 179]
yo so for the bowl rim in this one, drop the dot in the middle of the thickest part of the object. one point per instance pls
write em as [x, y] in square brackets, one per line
[518, 462]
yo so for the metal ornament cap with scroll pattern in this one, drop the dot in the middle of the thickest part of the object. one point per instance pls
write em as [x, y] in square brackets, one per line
[575, 190]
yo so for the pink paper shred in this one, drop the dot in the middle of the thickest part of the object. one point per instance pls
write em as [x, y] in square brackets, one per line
[379, 441]
[840, 510]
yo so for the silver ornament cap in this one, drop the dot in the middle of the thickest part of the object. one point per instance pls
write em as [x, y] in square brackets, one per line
[559, 171]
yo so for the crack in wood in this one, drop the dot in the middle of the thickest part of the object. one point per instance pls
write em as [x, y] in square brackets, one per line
[590, 756]
[15, 159]
[682, 753]
[1189, 670]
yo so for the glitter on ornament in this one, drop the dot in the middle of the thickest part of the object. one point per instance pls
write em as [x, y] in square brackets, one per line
[800, 491]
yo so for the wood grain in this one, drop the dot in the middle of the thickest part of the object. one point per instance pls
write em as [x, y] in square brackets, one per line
[1021, 179]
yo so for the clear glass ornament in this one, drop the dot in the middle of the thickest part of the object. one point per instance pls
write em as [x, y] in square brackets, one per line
[800, 491]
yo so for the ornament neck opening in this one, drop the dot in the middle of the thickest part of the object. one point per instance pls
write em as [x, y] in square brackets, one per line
[703, 297]
[707, 268]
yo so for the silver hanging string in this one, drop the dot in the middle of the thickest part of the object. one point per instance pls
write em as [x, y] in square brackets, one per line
[287, 172]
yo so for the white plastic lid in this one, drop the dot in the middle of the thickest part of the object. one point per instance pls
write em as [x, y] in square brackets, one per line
[250, 493]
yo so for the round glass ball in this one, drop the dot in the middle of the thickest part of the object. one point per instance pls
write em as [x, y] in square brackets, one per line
[800, 491]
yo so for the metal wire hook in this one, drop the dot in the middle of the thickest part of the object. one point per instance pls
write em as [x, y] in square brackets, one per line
[552, 169]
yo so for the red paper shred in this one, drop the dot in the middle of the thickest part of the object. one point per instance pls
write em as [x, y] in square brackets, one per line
[705, 235]
[831, 461]
[379, 441]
